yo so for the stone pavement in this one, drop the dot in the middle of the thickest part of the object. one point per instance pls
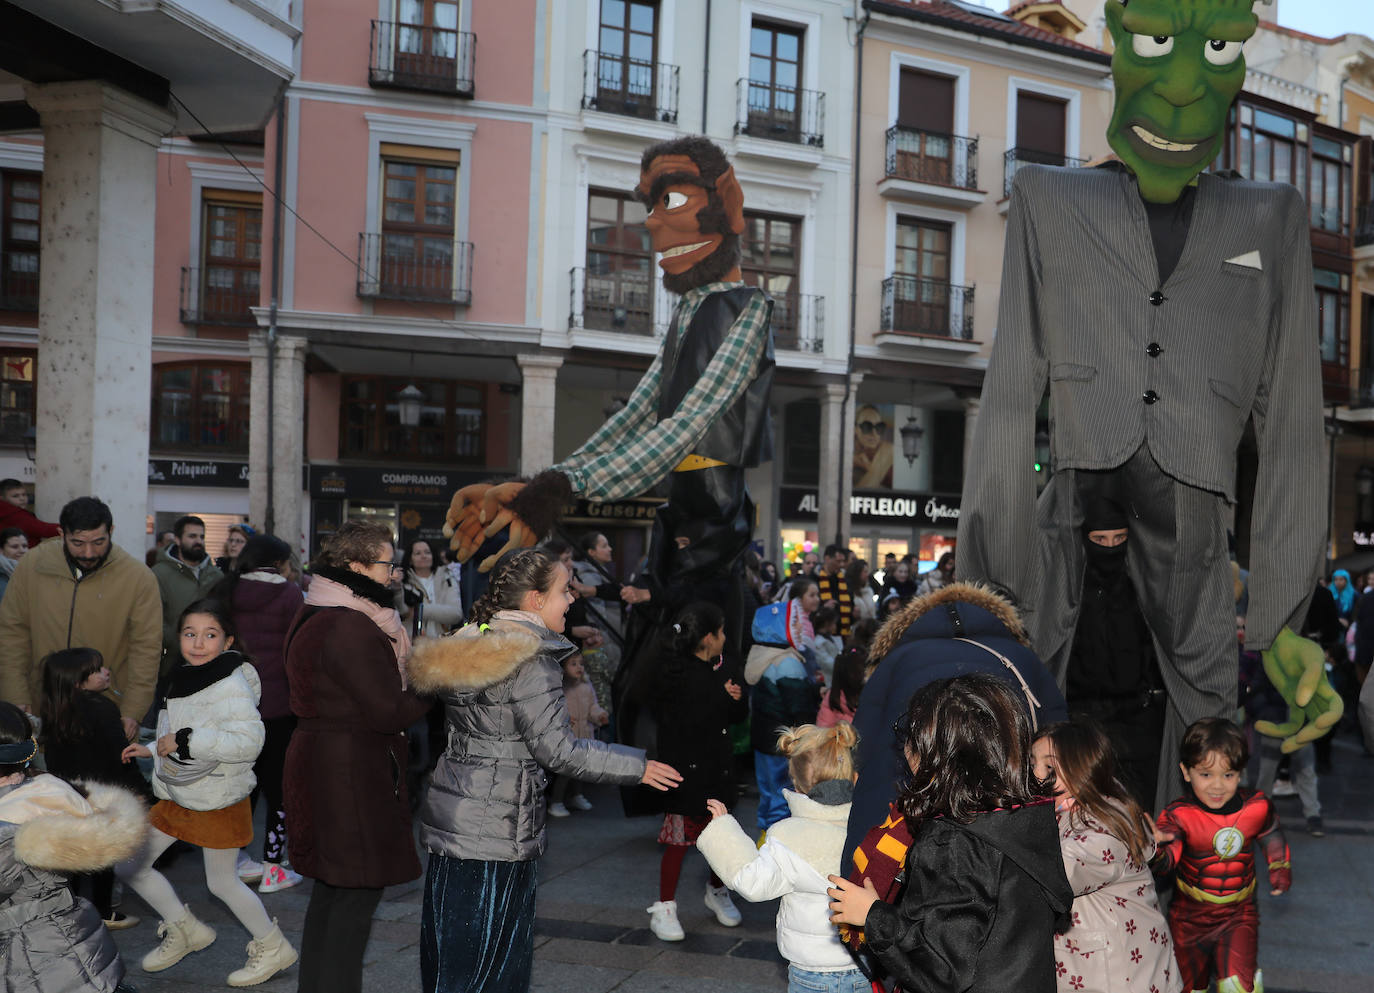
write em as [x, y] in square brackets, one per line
[601, 871]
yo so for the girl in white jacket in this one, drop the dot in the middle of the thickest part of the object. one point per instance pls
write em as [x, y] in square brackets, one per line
[209, 735]
[798, 854]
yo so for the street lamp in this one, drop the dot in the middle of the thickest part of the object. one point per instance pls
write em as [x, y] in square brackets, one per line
[408, 404]
[31, 443]
[911, 433]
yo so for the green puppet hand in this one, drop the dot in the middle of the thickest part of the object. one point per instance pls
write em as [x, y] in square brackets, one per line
[1297, 668]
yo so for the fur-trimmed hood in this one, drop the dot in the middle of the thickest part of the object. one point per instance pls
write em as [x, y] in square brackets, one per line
[953, 611]
[472, 658]
[62, 831]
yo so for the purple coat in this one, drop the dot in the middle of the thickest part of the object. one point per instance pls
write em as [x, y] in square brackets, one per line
[263, 612]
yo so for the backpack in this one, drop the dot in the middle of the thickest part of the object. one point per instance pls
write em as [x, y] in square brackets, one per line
[773, 625]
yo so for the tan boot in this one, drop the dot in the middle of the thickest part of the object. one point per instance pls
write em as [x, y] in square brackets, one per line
[267, 956]
[180, 938]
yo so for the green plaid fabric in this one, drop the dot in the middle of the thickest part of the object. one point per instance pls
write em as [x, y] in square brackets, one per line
[634, 449]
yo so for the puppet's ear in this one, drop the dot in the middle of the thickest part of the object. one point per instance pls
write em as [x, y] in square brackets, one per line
[733, 198]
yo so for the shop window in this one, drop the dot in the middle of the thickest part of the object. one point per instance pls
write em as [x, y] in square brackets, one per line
[450, 426]
[18, 389]
[200, 406]
[20, 196]
[801, 443]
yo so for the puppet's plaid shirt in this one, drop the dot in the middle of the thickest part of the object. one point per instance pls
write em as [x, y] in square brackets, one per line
[634, 449]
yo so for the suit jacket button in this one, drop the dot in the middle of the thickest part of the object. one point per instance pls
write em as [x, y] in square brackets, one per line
[1150, 396]
[1156, 298]
[1153, 349]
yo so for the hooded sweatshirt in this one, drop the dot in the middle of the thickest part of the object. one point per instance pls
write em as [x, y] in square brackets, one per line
[981, 905]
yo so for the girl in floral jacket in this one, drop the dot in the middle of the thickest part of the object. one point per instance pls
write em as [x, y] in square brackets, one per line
[1119, 942]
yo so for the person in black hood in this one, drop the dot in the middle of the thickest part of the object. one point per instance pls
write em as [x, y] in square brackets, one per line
[957, 630]
[1113, 673]
[985, 885]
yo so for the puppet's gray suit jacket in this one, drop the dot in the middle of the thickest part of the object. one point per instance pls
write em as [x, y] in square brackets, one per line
[1180, 368]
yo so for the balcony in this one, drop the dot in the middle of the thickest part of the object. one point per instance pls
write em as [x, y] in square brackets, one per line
[928, 308]
[1015, 158]
[414, 267]
[780, 113]
[615, 84]
[611, 301]
[413, 57]
[1364, 225]
[928, 167]
[19, 280]
[219, 296]
[799, 323]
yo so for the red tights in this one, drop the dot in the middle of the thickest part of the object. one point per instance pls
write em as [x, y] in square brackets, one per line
[671, 868]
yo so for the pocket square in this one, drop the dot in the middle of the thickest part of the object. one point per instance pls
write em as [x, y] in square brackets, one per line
[1250, 260]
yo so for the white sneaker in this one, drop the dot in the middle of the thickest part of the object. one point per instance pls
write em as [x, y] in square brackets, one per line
[557, 810]
[1283, 787]
[248, 870]
[663, 921]
[267, 956]
[580, 802]
[719, 903]
[278, 877]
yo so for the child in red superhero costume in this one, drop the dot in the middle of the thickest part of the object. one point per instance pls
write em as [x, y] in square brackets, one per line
[1209, 836]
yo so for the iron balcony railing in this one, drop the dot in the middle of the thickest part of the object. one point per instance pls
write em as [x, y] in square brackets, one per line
[1343, 386]
[799, 322]
[414, 267]
[415, 57]
[931, 157]
[1015, 158]
[219, 295]
[933, 307]
[19, 279]
[1364, 225]
[781, 113]
[611, 301]
[616, 84]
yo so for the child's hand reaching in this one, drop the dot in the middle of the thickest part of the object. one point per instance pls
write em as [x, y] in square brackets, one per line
[166, 745]
[716, 809]
[602, 719]
[1163, 837]
[135, 751]
[733, 689]
[850, 902]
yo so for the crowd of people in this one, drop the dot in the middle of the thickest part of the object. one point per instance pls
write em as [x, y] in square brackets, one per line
[930, 810]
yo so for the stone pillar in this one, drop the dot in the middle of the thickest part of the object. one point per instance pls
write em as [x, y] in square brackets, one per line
[851, 407]
[257, 429]
[287, 450]
[832, 458]
[972, 406]
[96, 298]
[540, 379]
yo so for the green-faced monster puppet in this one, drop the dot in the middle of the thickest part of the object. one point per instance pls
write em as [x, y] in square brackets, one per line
[1163, 307]
[699, 415]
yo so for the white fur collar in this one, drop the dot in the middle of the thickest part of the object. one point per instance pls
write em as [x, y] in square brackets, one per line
[802, 805]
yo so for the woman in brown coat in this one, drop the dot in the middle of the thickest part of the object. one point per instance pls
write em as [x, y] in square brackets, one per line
[345, 769]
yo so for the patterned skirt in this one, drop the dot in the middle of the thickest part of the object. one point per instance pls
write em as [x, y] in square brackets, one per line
[680, 829]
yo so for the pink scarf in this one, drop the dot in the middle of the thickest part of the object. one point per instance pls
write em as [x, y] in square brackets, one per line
[325, 592]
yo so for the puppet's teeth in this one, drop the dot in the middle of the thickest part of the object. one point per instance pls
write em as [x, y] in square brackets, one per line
[684, 249]
[1161, 143]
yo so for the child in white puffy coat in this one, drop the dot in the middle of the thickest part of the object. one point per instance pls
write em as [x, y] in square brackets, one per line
[209, 735]
[797, 855]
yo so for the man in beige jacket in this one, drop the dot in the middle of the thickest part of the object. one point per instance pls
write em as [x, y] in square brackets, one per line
[82, 591]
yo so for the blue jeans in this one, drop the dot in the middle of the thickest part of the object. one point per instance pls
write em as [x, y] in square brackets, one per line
[845, 981]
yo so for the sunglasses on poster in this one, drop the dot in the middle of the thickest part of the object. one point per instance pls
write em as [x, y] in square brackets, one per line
[871, 427]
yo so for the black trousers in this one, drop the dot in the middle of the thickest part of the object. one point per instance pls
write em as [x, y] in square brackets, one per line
[269, 769]
[338, 921]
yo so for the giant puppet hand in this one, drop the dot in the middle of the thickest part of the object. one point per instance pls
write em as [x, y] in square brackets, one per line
[481, 510]
[1297, 668]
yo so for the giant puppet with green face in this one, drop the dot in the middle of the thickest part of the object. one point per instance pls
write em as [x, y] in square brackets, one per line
[1164, 309]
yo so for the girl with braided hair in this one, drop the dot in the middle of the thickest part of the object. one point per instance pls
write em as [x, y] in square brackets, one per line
[501, 685]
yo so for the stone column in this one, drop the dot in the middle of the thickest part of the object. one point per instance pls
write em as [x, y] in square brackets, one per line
[257, 429]
[287, 450]
[96, 298]
[851, 407]
[972, 406]
[540, 377]
[832, 458]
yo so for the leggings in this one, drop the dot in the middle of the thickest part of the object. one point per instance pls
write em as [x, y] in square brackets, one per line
[338, 921]
[670, 870]
[221, 878]
[268, 769]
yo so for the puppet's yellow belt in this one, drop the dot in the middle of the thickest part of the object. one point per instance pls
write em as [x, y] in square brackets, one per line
[693, 462]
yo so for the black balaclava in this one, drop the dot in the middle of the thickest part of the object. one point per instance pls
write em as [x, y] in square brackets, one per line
[1105, 566]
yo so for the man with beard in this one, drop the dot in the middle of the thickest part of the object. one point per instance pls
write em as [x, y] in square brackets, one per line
[699, 414]
[83, 591]
[185, 574]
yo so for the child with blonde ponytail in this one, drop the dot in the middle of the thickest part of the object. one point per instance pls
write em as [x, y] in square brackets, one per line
[797, 855]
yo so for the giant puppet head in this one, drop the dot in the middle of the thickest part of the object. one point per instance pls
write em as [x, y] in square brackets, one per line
[1177, 68]
[696, 211]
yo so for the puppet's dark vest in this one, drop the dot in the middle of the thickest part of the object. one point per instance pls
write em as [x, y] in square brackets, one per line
[743, 434]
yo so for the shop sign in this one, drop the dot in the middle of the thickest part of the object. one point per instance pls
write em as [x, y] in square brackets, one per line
[628, 511]
[390, 483]
[928, 509]
[1363, 535]
[197, 472]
